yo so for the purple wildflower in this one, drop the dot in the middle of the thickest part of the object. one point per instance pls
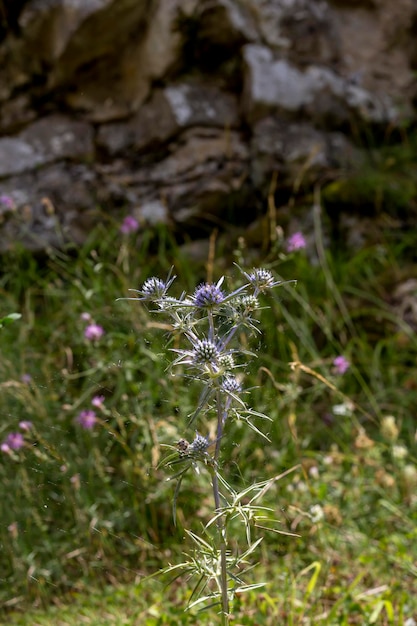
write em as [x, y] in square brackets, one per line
[87, 419]
[26, 378]
[86, 317]
[199, 445]
[296, 242]
[207, 296]
[25, 425]
[13, 441]
[129, 225]
[153, 288]
[341, 364]
[7, 202]
[93, 332]
[98, 401]
[230, 384]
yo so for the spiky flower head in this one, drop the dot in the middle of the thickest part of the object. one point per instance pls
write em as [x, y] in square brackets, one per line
[261, 279]
[226, 362]
[153, 288]
[205, 351]
[230, 384]
[199, 445]
[207, 296]
[249, 302]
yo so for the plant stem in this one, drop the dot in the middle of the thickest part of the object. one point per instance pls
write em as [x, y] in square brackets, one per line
[221, 527]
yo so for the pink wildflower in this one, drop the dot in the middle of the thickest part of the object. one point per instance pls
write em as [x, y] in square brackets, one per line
[129, 225]
[98, 401]
[7, 201]
[341, 364]
[93, 332]
[87, 419]
[13, 441]
[25, 425]
[296, 242]
[86, 317]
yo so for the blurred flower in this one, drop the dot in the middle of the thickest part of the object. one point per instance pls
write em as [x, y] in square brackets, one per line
[316, 513]
[7, 201]
[384, 479]
[399, 452]
[314, 471]
[86, 317]
[75, 480]
[13, 530]
[362, 441]
[129, 225]
[344, 409]
[341, 364]
[26, 378]
[389, 429]
[296, 242]
[87, 419]
[93, 332]
[410, 622]
[13, 441]
[97, 401]
[25, 425]
[5, 448]
[410, 476]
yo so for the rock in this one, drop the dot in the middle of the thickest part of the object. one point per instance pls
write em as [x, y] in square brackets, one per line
[277, 85]
[375, 41]
[181, 110]
[57, 137]
[46, 140]
[168, 112]
[301, 30]
[226, 23]
[297, 152]
[53, 205]
[17, 156]
[154, 212]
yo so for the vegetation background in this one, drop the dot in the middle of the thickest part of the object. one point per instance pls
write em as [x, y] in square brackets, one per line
[87, 513]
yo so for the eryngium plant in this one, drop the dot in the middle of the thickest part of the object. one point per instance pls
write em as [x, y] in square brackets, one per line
[210, 322]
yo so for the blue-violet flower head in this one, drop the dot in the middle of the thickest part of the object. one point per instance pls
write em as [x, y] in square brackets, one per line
[199, 445]
[153, 288]
[207, 296]
[230, 384]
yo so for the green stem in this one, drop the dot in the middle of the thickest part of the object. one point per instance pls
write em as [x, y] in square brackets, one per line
[221, 527]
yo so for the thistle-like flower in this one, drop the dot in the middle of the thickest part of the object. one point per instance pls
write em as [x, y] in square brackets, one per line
[205, 351]
[208, 296]
[230, 384]
[261, 279]
[153, 289]
[199, 445]
[249, 302]
[226, 362]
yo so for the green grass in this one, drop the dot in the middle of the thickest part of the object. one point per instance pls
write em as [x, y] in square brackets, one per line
[85, 513]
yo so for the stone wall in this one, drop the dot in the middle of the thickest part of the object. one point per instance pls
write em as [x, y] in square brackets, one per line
[182, 110]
